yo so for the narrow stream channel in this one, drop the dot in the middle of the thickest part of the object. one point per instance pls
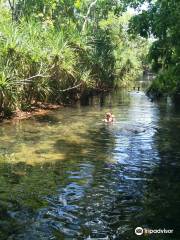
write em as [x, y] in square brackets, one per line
[68, 175]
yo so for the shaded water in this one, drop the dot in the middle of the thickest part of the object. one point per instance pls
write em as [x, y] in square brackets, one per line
[68, 175]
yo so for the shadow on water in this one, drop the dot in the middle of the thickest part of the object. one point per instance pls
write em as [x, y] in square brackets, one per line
[162, 205]
[84, 179]
[43, 200]
[51, 119]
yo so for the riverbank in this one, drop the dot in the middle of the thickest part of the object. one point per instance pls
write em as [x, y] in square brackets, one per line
[35, 110]
[64, 63]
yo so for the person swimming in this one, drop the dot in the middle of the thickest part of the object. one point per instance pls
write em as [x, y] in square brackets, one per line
[109, 117]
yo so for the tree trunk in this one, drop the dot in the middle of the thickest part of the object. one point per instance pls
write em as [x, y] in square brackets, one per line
[87, 15]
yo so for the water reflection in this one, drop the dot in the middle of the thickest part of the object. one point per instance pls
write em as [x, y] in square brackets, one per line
[70, 176]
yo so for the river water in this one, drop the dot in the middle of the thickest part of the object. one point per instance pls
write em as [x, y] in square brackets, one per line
[69, 175]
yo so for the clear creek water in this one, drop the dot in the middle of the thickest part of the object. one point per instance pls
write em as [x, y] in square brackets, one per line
[68, 175]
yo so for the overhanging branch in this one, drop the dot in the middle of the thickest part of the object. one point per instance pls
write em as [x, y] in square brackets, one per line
[70, 88]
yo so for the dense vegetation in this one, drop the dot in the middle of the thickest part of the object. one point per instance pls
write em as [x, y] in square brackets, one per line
[162, 21]
[57, 51]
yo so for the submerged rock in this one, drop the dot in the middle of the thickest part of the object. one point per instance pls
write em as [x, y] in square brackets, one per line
[133, 129]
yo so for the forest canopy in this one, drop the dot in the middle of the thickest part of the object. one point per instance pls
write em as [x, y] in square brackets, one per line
[162, 21]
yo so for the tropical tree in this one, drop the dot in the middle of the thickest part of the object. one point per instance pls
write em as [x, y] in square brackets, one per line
[58, 51]
[162, 20]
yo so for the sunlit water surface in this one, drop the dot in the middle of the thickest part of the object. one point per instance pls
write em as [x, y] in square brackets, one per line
[68, 175]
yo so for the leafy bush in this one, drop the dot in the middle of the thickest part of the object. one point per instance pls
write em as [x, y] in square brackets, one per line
[50, 58]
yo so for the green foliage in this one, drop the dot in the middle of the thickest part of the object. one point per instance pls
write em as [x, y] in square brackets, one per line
[129, 53]
[167, 82]
[162, 20]
[54, 51]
